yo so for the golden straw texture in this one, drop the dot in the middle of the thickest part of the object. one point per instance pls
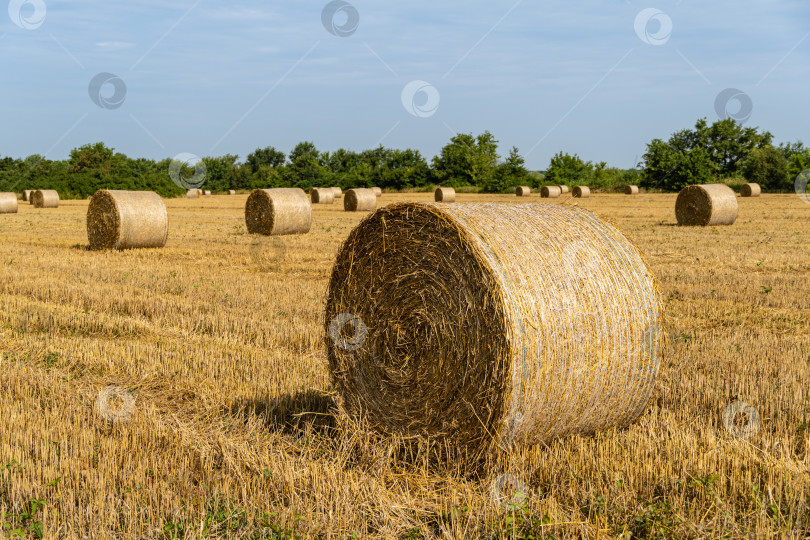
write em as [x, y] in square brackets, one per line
[27, 194]
[631, 190]
[439, 324]
[322, 195]
[338, 192]
[550, 192]
[706, 204]
[359, 199]
[750, 190]
[126, 219]
[377, 191]
[444, 194]
[278, 211]
[8, 203]
[523, 191]
[45, 198]
[581, 192]
[565, 189]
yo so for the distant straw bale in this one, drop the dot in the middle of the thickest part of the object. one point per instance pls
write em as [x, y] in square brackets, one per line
[581, 192]
[444, 194]
[377, 191]
[45, 198]
[338, 192]
[523, 191]
[278, 211]
[126, 219]
[359, 199]
[750, 190]
[706, 204]
[631, 190]
[322, 195]
[8, 203]
[550, 192]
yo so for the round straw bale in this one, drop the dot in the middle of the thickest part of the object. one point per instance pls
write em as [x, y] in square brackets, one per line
[338, 192]
[581, 192]
[231, 192]
[126, 219]
[359, 199]
[631, 190]
[192, 193]
[45, 198]
[444, 194]
[207, 192]
[27, 194]
[565, 189]
[200, 192]
[523, 191]
[322, 195]
[377, 191]
[750, 190]
[706, 204]
[550, 192]
[278, 211]
[500, 357]
[8, 203]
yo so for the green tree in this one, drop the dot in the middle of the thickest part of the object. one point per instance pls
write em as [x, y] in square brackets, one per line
[565, 169]
[267, 156]
[512, 172]
[467, 160]
[768, 167]
[672, 170]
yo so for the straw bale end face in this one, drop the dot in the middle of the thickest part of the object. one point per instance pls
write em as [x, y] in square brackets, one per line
[706, 204]
[278, 211]
[126, 220]
[499, 358]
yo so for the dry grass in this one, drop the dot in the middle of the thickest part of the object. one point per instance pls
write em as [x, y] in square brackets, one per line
[232, 433]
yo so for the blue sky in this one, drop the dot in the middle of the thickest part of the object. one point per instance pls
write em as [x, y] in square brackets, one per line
[210, 78]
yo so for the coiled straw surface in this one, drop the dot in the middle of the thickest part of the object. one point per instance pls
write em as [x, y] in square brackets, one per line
[550, 192]
[439, 324]
[444, 194]
[359, 199]
[126, 219]
[278, 211]
[631, 190]
[8, 203]
[581, 192]
[750, 190]
[706, 204]
[322, 195]
[45, 198]
[523, 191]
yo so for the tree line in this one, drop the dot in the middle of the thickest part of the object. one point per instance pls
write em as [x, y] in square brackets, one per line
[724, 151]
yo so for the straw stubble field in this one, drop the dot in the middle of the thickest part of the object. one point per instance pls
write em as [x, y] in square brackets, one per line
[233, 433]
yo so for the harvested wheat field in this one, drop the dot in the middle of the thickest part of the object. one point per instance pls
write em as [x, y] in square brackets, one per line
[185, 392]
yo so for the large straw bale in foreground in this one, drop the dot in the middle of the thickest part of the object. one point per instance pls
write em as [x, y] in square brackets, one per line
[631, 190]
[523, 191]
[444, 194]
[550, 192]
[126, 219]
[278, 211]
[706, 204]
[8, 203]
[750, 190]
[581, 192]
[440, 324]
[359, 199]
[45, 198]
[322, 195]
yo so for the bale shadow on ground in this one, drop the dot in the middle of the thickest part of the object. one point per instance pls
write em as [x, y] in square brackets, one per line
[292, 413]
